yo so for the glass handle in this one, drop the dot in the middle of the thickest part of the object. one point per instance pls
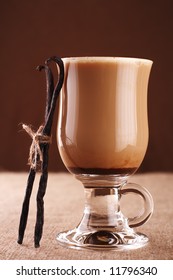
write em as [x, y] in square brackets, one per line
[148, 206]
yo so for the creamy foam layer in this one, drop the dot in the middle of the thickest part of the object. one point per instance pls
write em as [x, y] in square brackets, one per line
[103, 112]
[103, 59]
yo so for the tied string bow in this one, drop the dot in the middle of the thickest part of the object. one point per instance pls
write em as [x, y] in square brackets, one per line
[35, 153]
[39, 152]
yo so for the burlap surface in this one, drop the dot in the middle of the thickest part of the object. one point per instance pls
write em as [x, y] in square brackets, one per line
[64, 203]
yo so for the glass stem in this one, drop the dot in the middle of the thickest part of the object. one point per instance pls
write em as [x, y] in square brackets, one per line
[102, 209]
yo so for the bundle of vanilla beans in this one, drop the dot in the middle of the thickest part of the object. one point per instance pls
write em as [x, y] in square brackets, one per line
[39, 152]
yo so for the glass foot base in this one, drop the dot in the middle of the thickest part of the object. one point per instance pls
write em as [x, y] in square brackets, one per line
[103, 225]
[104, 240]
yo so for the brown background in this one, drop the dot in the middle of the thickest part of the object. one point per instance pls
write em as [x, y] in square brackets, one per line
[31, 31]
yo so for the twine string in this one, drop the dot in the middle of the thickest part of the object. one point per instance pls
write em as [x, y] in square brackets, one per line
[35, 152]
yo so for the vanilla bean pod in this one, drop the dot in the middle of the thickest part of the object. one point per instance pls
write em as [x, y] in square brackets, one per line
[25, 207]
[52, 95]
[49, 85]
[45, 149]
[59, 62]
[32, 172]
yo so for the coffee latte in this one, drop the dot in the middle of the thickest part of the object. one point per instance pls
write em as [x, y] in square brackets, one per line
[103, 126]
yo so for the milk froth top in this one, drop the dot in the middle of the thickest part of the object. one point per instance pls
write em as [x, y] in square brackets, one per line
[100, 59]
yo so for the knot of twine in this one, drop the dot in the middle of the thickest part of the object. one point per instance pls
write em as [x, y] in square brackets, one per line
[35, 152]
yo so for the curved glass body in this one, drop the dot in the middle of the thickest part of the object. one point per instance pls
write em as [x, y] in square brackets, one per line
[102, 138]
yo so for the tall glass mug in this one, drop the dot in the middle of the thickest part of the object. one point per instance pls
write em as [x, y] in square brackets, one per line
[102, 139]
